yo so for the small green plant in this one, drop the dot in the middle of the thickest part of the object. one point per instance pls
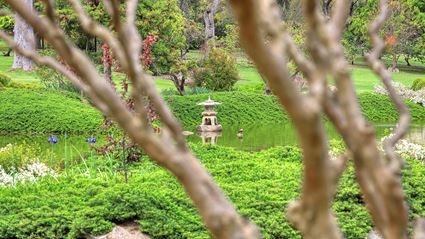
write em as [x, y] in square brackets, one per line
[168, 92]
[13, 157]
[218, 72]
[4, 80]
[6, 23]
[418, 84]
[24, 85]
[54, 80]
[197, 91]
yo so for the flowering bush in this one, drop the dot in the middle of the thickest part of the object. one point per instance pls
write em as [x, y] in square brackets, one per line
[28, 174]
[416, 96]
[407, 149]
[14, 157]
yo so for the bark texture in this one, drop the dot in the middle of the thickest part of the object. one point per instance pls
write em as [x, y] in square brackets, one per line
[209, 23]
[25, 38]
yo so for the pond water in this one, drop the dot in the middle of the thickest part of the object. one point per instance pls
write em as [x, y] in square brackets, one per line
[259, 137]
[255, 138]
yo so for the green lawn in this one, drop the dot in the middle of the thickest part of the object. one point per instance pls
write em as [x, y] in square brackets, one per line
[364, 78]
[31, 77]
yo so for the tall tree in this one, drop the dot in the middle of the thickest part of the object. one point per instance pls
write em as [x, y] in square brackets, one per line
[209, 13]
[25, 38]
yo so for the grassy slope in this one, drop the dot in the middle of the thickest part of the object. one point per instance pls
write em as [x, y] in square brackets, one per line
[27, 110]
[364, 78]
[246, 108]
[30, 77]
[260, 185]
[45, 111]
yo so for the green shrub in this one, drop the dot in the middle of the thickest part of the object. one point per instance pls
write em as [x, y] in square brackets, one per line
[24, 85]
[197, 91]
[380, 109]
[6, 23]
[247, 108]
[52, 79]
[259, 184]
[40, 110]
[4, 80]
[236, 108]
[418, 84]
[219, 72]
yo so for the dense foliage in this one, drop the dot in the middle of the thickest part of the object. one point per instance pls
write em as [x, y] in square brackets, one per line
[237, 108]
[40, 110]
[246, 108]
[418, 84]
[164, 19]
[260, 184]
[379, 109]
[45, 111]
[218, 72]
[4, 80]
[54, 80]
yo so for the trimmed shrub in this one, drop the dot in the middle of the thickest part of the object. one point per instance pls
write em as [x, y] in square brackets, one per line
[260, 185]
[236, 108]
[418, 84]
[219, 72]
[247, 108]
[380, 109]
[4, 80]
[40, 110]
[24, 85]
[52, 79]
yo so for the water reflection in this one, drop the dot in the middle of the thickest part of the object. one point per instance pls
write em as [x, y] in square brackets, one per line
[259, 137]
[252, 138]
[209, 137]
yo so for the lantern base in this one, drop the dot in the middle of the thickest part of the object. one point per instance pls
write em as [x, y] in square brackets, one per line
[210, 128]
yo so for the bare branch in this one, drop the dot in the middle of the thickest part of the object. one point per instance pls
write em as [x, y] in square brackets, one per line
[378, 67]
[219, 215]
[340, 15]
[419, 232]
[55, 65]
[50, 9]
[94, 28]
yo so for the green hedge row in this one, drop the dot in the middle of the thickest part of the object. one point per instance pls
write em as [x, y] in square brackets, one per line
[40, 110]
[260, 185]
[237, 108]
[247, 108]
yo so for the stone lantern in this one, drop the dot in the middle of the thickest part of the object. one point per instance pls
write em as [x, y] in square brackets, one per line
[209, 117]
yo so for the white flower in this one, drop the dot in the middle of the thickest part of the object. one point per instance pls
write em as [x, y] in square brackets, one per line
[29, 174]
[6, 180]
[406, 148]
[416, 96]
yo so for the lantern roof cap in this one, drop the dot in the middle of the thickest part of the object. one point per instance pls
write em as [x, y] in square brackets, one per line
[209, 102]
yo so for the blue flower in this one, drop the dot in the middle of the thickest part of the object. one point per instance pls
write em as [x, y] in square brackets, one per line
[91, 140]
[53, 140]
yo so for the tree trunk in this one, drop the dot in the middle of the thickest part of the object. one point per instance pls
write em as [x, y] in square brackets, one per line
[209, 24]
[25, 38]
[407, 61]
[8, 52]
[179, 83]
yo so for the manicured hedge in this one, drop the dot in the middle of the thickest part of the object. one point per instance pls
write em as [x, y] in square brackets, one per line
[237, 108]
[248, 108]
[260, 185]
[39, 110]
[379, 108]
